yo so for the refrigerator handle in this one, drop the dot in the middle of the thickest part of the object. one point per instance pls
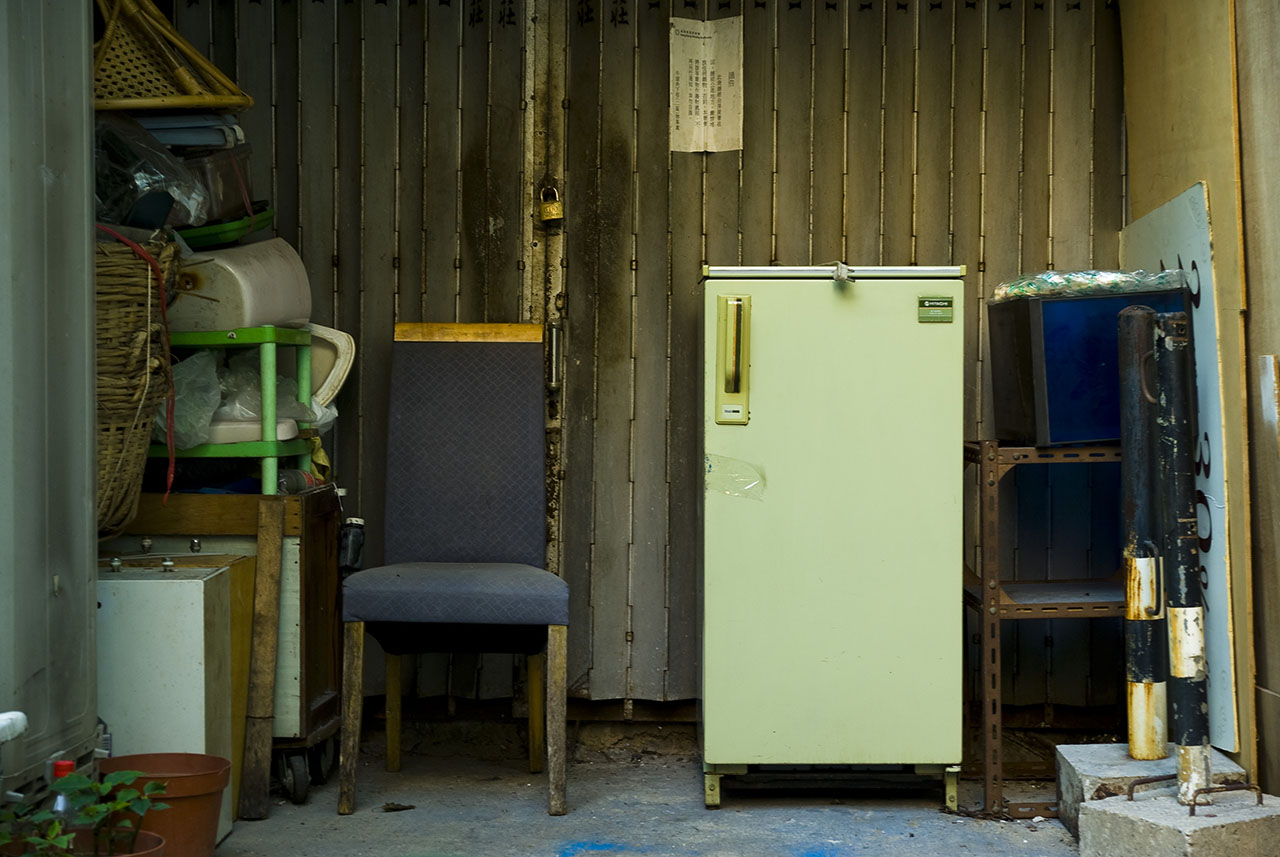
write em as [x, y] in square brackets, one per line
[733, 347]
[733, 358]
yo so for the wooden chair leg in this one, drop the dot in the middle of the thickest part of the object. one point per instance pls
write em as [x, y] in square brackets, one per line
[537, 678]
[557, 700]
[393, 712]
[352, 704]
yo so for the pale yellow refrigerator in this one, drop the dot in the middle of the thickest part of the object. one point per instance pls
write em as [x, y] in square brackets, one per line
[833, 432]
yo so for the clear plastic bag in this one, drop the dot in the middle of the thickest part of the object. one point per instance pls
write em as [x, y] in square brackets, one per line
[132, 173]
[241, 383]
[196, 397]
[1074, 283]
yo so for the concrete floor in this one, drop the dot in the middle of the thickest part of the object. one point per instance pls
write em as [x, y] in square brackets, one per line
[468, 807]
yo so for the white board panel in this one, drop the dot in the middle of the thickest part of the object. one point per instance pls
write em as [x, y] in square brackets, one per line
[1178, 235]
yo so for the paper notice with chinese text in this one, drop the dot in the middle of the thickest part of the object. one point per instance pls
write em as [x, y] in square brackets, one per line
[706, 85]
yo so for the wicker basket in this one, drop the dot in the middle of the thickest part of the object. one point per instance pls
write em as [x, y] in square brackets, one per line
[141, 63]
[132, 372]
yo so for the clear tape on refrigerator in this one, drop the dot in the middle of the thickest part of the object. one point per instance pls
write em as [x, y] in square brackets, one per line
[734, 477]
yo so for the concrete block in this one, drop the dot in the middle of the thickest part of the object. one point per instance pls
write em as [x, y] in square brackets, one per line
[1154, 824]
[1096, 771]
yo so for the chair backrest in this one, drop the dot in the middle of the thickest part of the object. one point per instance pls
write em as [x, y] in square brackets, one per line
[466, 445]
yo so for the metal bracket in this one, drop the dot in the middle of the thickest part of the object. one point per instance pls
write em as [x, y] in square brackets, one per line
[1229, 787]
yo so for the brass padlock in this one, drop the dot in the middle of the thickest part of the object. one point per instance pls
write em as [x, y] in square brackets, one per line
[551, 208]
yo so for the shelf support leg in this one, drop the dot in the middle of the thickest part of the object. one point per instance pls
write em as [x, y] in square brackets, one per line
[989, 530]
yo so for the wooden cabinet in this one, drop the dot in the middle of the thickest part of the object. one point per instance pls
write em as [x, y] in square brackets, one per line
[308, 661]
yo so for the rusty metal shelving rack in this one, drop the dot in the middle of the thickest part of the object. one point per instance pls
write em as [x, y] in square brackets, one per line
[997, 600]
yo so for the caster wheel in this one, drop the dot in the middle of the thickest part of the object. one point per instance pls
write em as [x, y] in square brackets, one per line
[294, 777]
[321, 760]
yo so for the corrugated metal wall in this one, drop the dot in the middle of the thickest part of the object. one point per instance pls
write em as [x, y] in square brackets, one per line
[404, 144]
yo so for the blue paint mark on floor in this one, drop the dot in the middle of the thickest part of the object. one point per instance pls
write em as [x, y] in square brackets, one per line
[573, 849]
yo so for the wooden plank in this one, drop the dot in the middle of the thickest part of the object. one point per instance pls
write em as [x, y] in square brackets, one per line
[557, 701]
[536, 688]
[284, 111]
[582, 199]
[443, 175]
[794, 101]
[411, 199]
[474, 273]
[611, 472]
[1108, 136]
[966, 192]
[461, 332]
[345, 447]
[253, 75]
[1072, 129]
[721, 186]
[255, 775]
[1036, 126]
[684, 410]
[828, 132]
[899, 136]
[221, 514]
[932, 206]
[352, 708]
[379, 25]
[505, 180]
[649, 649]
[756, 199]
[863, 95]
[1002, 150]
[318, 153]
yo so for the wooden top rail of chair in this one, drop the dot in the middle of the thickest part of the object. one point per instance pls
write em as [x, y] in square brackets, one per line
[450, 332]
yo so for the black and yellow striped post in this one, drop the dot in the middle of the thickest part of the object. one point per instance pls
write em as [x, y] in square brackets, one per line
[1188, 693]
[1146, 639]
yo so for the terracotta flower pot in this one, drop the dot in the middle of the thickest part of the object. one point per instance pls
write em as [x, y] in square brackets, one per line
[148, 844]
[194, 785]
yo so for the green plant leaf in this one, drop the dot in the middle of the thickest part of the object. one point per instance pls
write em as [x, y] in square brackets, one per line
[120, 778]
[70, 783]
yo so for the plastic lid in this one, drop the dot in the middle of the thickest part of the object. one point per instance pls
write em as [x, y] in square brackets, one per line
[63, 767]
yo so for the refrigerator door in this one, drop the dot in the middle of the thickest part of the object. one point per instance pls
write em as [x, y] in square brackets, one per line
[833, 520]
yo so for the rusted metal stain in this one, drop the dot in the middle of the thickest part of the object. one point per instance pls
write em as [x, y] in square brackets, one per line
[1148, 728]
[1143, 600]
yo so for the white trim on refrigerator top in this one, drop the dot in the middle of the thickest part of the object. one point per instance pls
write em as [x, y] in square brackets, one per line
[835, 271]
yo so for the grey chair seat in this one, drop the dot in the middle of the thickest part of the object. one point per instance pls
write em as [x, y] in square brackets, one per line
[456, 592]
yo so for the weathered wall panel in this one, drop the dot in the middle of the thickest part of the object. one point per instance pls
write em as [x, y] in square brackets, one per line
[650, 653]
[880, 133]
[793, 117]
[829, 122]
[684, 409]
[582, 200]
[1258, 43]
[610, 569]
[934, 145]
